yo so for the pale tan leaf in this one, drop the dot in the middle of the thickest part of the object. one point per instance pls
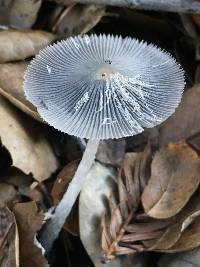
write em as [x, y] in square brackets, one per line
[23, 13]
[11, 87]
[21, 44]
[26, 143]
[29, 221]
[175, 175]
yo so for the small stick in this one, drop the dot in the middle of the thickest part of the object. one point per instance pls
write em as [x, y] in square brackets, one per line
[181, 6]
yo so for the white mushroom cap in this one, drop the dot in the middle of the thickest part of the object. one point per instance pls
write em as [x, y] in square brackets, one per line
[101, 87]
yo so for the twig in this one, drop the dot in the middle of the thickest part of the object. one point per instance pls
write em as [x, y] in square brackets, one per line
[181, 6]
[61, 17]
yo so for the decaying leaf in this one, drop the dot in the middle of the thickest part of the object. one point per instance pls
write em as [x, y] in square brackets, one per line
[8, 194]
[79, 20]
[9, 243]
[23, 13]
[11, 87]
[21, 44]
[183, 123]
[175, 175]
[189, 239]
[180, 224]
[59, 188]
[15, 185]
[26, 143]
[99, 185]
[29, 221]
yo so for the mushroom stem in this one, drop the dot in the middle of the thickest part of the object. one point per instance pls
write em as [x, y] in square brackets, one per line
[53, 226]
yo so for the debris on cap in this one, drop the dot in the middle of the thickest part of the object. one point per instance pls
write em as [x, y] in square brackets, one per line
[101, 87]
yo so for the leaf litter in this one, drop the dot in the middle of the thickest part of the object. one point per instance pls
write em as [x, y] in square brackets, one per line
[142, 194]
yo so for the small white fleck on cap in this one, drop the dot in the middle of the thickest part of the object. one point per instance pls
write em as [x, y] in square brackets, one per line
[103, 87]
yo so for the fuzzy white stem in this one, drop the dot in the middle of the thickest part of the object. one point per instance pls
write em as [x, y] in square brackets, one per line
[53, 226]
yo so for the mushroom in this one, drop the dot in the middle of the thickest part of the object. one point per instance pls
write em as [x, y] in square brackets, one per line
[100, 87]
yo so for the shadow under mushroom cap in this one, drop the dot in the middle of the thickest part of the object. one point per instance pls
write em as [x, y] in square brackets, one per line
[101, 87]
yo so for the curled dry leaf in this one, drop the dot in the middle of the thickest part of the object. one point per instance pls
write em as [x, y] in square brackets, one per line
[29, 222]
[23, 13]
[9, 243]
[24, 139]
[175, 175]
[79, 20]
[183, 123]
[11, 87]
[59, 188]
[180, 225]
[99, 184]
[21, 44]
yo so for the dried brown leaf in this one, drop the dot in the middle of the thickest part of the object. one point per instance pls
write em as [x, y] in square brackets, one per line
[137, 231]
[196, 19]
[9, 245]
[180, 224]
[18, 185]
[8, 194]
[79, 20]
[183, 123]
[60, 186]
[11, 87]
[175, 175]
[114, 226]
[29, 221]
[21, 44]
[145, 167]
[149, 226]
[189, 239]
[24, 139]
[129, 187]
